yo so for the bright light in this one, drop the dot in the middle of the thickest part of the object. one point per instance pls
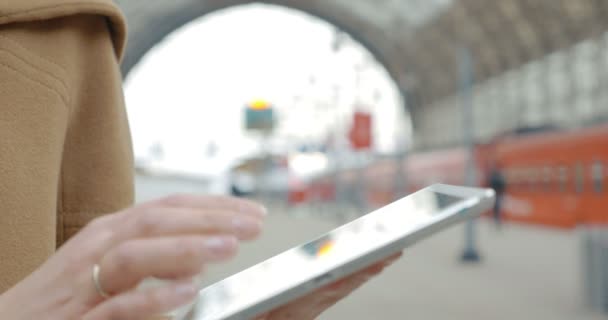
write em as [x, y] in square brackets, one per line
[308, 164]
[189, 91]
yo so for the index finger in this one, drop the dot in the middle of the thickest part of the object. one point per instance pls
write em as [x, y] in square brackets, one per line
[366, 273]
[213, 202]
[143, 304]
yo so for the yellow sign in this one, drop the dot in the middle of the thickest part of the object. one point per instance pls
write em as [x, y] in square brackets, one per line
[259, 105]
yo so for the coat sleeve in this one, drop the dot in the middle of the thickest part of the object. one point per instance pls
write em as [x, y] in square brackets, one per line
[52, 78]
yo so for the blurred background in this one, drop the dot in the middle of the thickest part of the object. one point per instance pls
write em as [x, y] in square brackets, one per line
[324, 110]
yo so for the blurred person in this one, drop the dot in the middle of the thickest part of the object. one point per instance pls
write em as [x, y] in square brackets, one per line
[497, 182]
[67, 183]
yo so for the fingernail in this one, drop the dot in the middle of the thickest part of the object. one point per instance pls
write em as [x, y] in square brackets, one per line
[246, 227]
[264, 211]
[186, 290]
[221, 244]
[253, 208]
[391, 261]
[376, 270]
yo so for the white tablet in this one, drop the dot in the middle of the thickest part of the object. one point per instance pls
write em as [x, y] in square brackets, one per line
[339, 253]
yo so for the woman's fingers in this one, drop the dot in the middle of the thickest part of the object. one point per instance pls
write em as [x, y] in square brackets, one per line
[311, 306]
[361, 276]
[182, 215]
[158, 222]
[143, 304]
[124, 266]
[140, 242]
[237, 205]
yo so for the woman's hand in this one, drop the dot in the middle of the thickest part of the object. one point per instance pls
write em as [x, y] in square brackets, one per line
[171, 238]
[313, 305]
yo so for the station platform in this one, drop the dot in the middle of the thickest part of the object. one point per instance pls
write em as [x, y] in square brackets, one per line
[526, 272]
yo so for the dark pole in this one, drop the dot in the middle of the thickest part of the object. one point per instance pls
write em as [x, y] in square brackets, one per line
[470, 253]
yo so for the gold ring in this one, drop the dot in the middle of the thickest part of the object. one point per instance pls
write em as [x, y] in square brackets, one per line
[98, 287]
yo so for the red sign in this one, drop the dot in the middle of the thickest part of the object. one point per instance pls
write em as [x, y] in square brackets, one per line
[360, 134]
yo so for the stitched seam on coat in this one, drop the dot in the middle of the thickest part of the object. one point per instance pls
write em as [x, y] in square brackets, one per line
[30, 63]
[54, 90]
[17, 44]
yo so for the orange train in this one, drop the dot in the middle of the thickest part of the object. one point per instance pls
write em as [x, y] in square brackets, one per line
[555, 178]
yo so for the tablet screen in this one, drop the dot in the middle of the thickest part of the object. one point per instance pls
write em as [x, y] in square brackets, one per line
[301, 264]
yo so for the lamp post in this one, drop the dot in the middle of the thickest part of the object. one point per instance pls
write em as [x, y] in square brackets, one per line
[470, 253]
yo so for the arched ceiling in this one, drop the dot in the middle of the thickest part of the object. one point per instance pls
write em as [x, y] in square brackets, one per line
[416, 40]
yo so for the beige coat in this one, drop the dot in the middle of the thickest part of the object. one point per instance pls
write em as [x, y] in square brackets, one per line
[65, 150]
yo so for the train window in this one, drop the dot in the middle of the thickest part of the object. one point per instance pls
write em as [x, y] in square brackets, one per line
[579, 178]
[514, 177]
[563, 178]
[597, 175]
[547, 173]
[520, 176]
[505, 175]
[534, 176]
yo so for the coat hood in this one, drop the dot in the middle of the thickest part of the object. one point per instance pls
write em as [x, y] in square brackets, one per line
[15, 11]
